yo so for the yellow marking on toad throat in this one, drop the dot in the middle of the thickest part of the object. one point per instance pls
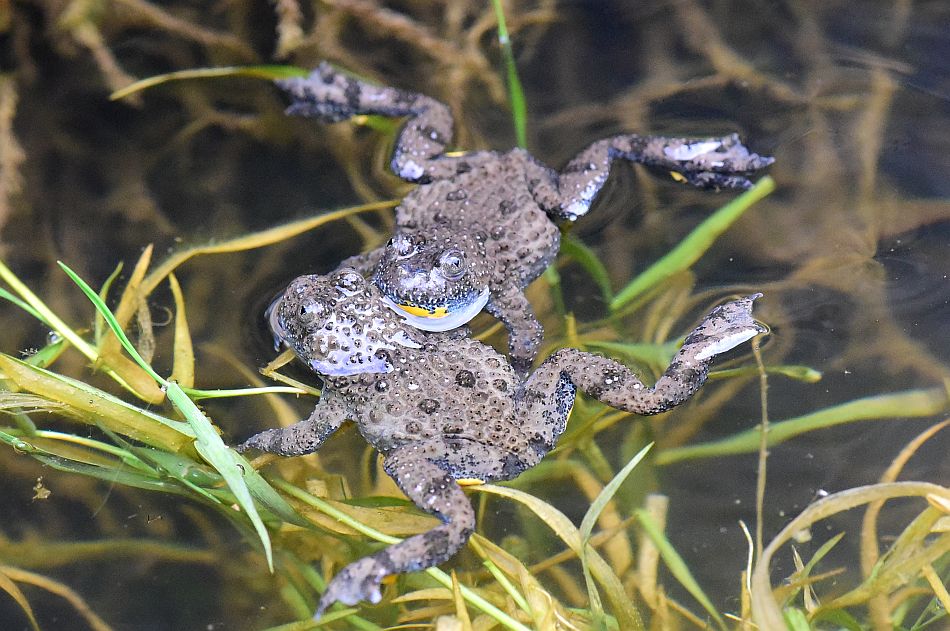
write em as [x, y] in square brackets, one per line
[678, 177]
[470, 482]
[439, 312]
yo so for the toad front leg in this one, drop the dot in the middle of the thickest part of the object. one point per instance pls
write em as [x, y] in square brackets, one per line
[525, 334]
[304, 437]
[710, 163]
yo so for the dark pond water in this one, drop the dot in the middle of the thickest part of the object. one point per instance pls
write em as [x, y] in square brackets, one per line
[852, 251]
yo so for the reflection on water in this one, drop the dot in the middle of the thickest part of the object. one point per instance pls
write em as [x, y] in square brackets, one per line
[851, 251]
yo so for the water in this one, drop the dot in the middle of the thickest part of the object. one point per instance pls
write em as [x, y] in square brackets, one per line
[851, 250]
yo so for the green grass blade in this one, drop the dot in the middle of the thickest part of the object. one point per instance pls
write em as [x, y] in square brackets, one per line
[97, 406]
[502, 579]
[797, 620]
[519, 108]
[806, 374]
[677, 566]
[232, 467]
[225, 461]
[607, 494]
[111, 321]
[590, 518]
[55, 323]
[104, 293]
[586, 258]
[841, 619]
[907, 404]
[26, 307]
[268, 72]
[91, 444]
[187, 472]
[690, 249]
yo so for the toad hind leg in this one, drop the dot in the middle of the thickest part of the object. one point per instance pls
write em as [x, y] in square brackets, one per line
[710, 163]
[611, 382]
[332, 96]
[427, 471]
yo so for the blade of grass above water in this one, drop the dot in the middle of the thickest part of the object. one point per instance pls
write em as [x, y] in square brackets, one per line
[26, 307]
[440, 576]
[232, 467]
[268, 72]
[607, 494]
[254, 240]
[690, 249]
[677, 565]
[593, 514]
[104, 293]
[46, 315]
[623, 607]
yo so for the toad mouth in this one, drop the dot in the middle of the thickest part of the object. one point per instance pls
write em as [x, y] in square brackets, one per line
[440, 318]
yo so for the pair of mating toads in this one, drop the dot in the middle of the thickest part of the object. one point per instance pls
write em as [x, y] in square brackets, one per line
[393, 351]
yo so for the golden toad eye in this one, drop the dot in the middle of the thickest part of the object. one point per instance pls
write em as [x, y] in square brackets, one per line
[452, 264]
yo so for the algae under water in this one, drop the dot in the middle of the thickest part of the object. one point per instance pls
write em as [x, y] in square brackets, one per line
[852, 252]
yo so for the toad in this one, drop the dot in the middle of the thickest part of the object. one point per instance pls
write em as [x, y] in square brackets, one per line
[442, 407]
[483, 225]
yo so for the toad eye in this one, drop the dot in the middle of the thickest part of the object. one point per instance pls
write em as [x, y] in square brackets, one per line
[401, 244]
[309, 311]
[452, 264]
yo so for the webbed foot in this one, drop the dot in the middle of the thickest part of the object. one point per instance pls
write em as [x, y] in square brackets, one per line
[725, 327]
[712, 163]
[358, 581]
